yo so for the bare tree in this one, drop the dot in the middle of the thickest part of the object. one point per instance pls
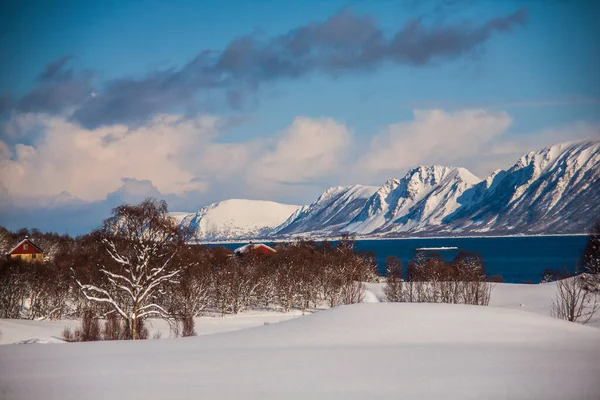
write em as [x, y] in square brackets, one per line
[393, 289]
[573, 302]
[591, 259]
[191, 294]
[6, 241]
[140, 243]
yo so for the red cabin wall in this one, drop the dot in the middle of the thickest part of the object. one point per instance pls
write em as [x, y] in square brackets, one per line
[30, 250]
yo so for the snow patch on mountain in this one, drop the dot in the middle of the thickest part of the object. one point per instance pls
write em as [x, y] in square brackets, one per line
[237, 219]
[556, 189]
[330, 212]
[423, 197]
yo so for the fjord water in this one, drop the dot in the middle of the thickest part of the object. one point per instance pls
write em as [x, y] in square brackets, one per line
[519, 259]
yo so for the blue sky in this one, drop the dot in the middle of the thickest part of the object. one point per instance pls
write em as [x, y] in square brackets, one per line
[259, 78]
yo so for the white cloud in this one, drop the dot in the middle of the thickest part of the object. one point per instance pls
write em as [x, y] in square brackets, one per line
[175, 155]
[307, 149]
[525, 143]
[91, 163]
[184, 161]
[504, 150]
[434, 136]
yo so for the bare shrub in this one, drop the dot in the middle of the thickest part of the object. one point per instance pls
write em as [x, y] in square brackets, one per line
[175, 329]
[573, 301]
[188, 325]
[113, 328]
[90, 328]
[67, 334]
[393, 289]
[432, 280]
[353, 292]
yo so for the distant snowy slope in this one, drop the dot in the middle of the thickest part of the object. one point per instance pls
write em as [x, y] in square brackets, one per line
[556, 189]
[422, 198]
[237, 219]
[332, 210]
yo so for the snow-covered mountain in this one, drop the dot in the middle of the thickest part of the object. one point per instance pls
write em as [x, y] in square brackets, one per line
[419, 201]
[236, 219]
[554, 190]
[329, 213]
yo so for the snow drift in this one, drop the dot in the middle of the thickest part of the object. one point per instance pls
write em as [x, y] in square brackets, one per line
[375, 351]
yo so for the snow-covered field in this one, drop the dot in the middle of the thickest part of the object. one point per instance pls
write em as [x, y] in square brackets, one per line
[20, 330]
[510, 350]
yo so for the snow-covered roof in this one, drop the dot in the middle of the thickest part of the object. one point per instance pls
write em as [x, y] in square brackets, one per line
[26, 240]
[247, 247]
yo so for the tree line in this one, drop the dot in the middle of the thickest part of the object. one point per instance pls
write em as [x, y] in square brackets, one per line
[432, 280]
[140, 264]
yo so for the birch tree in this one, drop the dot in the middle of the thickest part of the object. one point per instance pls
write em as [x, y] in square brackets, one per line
[138, 245]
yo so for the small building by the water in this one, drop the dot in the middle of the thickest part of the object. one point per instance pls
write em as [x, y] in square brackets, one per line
[28, 251]
[254, 248]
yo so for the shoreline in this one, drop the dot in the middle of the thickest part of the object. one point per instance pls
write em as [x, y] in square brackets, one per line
[362, 238]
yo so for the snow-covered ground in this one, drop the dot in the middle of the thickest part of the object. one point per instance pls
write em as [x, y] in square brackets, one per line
[26, 331]
[510, 350]
[524, 297]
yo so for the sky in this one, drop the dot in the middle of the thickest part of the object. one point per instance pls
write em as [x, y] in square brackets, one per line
[105, 102]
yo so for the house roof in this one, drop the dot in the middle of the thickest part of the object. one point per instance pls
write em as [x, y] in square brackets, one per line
[26, 240]
[246, 248]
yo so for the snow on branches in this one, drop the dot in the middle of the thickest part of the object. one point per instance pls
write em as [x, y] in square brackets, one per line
[138, 245]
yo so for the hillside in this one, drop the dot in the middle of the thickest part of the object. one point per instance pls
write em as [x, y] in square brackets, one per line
[554, 190]
[329, 213]
[236, 219]
[418, 201]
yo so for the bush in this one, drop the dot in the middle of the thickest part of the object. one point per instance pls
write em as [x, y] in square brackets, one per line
[393, 290]
[188, 326]
[90, 328]
[89, 331]
[432, 280]
[113, 328]
[157, 335]
[573, 301]
[67, 334]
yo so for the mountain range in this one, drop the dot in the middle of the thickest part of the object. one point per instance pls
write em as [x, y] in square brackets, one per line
[552, 191]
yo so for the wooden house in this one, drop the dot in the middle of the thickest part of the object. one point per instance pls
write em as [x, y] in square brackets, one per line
[254, 248]
[26, 250]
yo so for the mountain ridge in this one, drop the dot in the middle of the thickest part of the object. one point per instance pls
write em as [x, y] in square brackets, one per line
[550, 191]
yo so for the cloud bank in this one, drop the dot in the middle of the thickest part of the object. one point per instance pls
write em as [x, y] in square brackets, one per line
[185, 161]
[344, 43]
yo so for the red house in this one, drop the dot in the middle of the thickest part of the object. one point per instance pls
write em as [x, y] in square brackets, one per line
[26, 250]
[254, 248]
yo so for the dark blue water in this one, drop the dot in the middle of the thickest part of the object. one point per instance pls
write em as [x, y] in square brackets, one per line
[517, 259]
